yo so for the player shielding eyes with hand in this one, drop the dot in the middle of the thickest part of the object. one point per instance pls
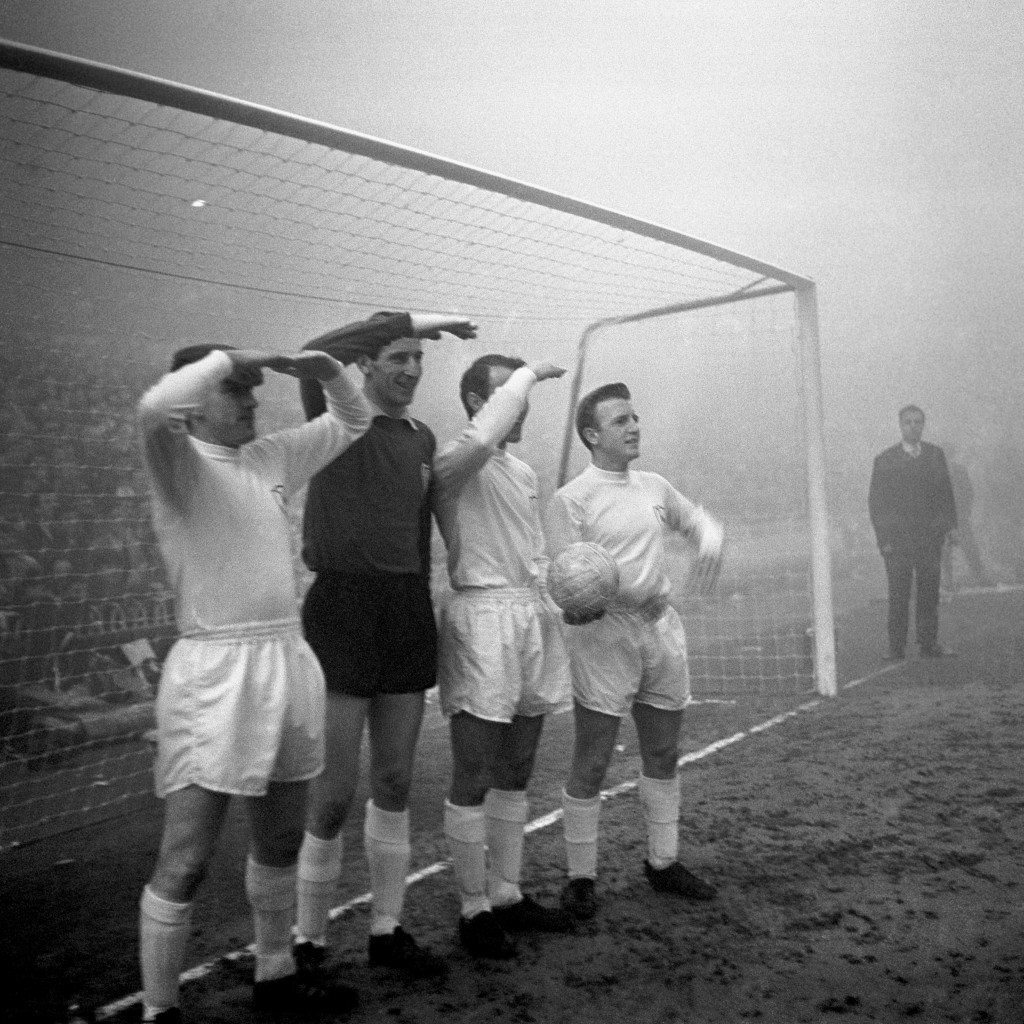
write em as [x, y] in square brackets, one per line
[632, 657]
[368, 616]
[502, 664]
[240, 710]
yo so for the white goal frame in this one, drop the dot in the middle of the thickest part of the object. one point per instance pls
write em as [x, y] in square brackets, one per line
[770, 280]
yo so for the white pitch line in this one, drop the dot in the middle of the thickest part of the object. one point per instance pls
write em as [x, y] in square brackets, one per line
[544, 821]
[877, 674]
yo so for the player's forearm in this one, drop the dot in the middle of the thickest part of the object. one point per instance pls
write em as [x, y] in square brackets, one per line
[506, 404]
[426, 323]
[486, 430]
[430, 325]
[305, 450]
[311, 394]
[164, 412]
[684, 516]
[346, 402]
[176, 395]
[706, 530]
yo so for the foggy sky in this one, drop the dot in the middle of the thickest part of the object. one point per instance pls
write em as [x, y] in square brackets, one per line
[875, 147]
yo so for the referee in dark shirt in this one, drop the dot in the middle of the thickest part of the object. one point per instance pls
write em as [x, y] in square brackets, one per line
[368, 617]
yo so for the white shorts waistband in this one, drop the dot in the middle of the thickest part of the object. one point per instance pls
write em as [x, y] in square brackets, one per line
[246, 631]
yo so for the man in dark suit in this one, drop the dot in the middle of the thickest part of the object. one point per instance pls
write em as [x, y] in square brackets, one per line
[913, 512]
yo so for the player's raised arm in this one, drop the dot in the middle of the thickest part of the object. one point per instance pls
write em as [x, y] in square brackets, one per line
[350, 342]
[427, 325]
[303, 365]
[169, 403]
[165, 412]
[492, 418]
[305, 450]
[345, 402]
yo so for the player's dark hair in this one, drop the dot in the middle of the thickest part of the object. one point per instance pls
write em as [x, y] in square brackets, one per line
[193, 353]
[585, 411]
[909, 408]
[477, 379]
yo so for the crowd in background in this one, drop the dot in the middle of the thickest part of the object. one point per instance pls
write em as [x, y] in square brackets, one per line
[81, 578]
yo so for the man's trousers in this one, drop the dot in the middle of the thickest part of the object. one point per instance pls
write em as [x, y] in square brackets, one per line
[901, 569]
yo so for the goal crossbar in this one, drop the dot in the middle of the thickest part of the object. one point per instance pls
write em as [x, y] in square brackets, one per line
[120, 81]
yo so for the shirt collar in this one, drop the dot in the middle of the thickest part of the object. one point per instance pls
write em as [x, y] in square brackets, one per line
[609, 474]
[376, 410]
[216, 451]
[913, 450]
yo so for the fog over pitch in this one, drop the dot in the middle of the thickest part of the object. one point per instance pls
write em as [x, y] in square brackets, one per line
[875, 148]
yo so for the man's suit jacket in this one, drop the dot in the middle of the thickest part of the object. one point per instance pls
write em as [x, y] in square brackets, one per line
[911, 500]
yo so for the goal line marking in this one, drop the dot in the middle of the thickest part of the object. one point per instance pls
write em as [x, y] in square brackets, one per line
[544, 821]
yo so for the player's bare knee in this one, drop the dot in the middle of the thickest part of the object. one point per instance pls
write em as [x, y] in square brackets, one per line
[327, 817]
[513, 774]
[469, 785]
[660, 763]
[585, 779]
[280, 848]
[391, 787]
[178, 878]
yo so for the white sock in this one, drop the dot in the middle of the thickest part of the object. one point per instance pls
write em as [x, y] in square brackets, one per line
[660, 800]
[318, 873]
[271, 893]
[579, 822]
[163, 935]
[507, 811]
[386, 836]
[466, 832]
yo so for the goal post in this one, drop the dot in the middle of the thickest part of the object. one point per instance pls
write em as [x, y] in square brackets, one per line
[810, 366]
[141, 215]
[821, 562]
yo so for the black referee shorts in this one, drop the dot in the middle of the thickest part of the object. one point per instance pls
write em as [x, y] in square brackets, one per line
[372, 633]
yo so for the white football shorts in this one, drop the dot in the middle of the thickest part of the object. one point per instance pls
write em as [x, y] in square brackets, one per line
[238, 709]
[501, 654]
[627, 656]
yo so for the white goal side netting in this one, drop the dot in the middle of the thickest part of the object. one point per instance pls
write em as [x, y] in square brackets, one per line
[139, 216]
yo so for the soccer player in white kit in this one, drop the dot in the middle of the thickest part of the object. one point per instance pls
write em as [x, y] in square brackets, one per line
[240, 706]
[502, 664]
[633, 656]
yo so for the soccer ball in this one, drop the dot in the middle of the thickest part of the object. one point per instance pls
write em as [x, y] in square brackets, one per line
[583, 579]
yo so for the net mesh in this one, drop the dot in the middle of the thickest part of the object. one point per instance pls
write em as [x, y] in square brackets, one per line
[720, 407]
[132, 227]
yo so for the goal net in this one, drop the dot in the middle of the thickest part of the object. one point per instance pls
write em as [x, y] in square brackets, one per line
[140, 216]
